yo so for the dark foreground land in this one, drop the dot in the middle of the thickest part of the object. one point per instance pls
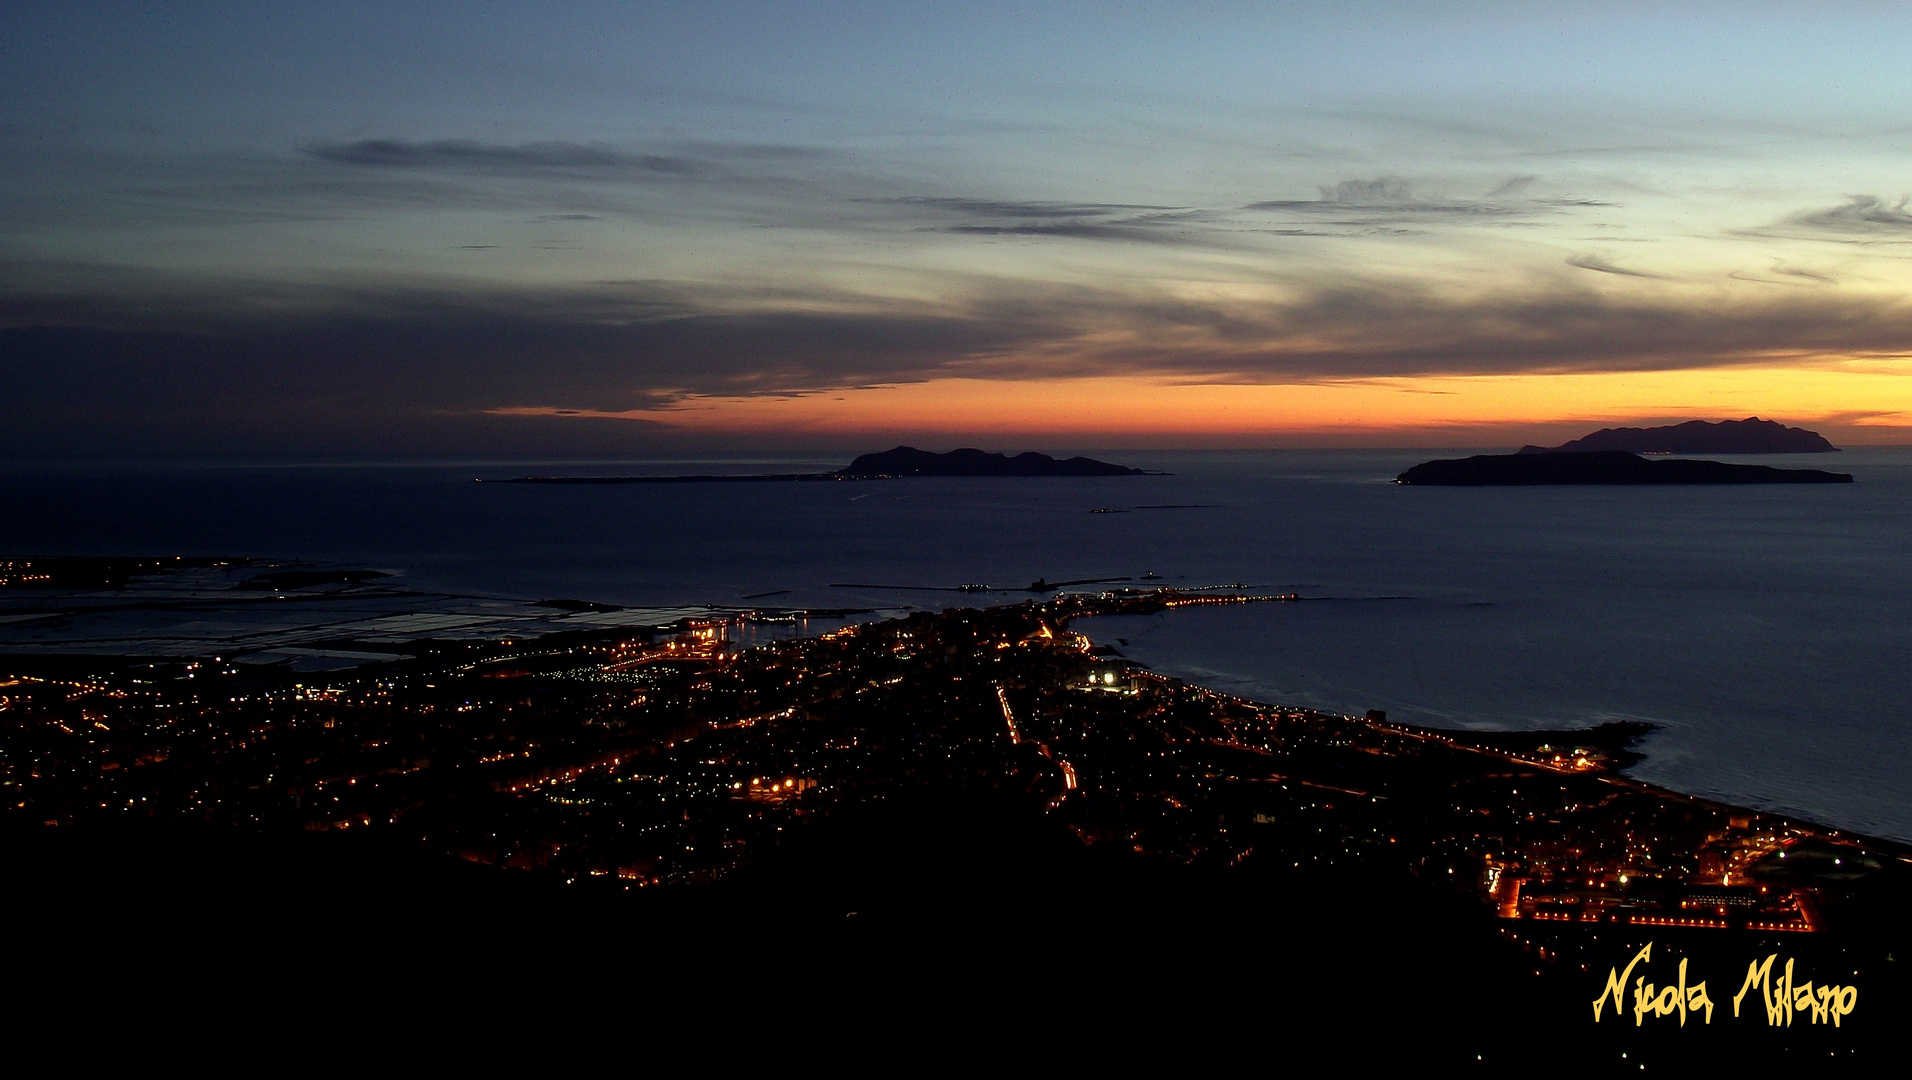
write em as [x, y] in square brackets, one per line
[957, 831]
[1601, 467]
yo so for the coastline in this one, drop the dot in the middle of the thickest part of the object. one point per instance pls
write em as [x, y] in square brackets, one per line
[405, 624]
[674, 772]
[618, 647]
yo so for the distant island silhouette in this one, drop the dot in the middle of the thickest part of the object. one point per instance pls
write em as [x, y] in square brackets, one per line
[1606, 467]
[909, 461]
[1749, 436]
[889, 464]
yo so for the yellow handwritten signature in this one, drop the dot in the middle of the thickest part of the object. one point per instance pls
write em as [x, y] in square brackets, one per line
[1782, 997]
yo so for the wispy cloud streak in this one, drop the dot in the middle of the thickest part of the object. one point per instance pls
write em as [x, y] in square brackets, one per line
[1600, 265]
[1861, 219]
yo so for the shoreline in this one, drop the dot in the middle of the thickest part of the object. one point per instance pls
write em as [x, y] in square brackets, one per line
[701, 638]
[332, 651]
[981, 754]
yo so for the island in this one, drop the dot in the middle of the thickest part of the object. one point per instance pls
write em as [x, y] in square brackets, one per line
[1605, 467]
[909, 461]
[901, 461]
[1749, 436]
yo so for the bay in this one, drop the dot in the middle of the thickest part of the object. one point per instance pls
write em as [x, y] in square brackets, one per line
[1767, 630]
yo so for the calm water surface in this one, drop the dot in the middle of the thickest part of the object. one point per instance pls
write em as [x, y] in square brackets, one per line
[1767, 629]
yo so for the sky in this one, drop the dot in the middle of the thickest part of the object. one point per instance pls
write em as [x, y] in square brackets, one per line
[583, 228]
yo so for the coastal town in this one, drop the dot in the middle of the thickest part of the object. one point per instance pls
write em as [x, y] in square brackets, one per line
[668, 757]
[672, 759]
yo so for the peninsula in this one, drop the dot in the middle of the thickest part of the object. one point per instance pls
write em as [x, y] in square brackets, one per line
[1605, 467]
[887, 465]
[966, 780]
[1749, 436]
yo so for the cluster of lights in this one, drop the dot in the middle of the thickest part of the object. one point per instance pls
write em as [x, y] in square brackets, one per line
[786, 786]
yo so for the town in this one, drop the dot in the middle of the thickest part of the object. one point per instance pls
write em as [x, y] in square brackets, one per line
[670, 761]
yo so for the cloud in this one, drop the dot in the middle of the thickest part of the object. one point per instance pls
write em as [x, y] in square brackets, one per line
[1809, 275]
[1596, 263]
[1793, 276]
[399, 370]
[1861, 219]
[1387, 201]
[1860, 214]
[701, 182]
[389, 180]
[408, 369]
[681, 160]
[1370, 206]
[468, 154]
[1513, 186]
[1077, 221]
[1145, 230]
[996, 209]
[1368, 330]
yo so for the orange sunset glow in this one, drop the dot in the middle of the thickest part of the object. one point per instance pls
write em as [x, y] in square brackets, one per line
[1340, 239]
[1866, 402]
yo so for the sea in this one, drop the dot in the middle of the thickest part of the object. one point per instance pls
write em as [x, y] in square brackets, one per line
[1765, 631]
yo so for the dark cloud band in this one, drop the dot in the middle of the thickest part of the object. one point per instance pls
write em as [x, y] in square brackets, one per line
[379, 370]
